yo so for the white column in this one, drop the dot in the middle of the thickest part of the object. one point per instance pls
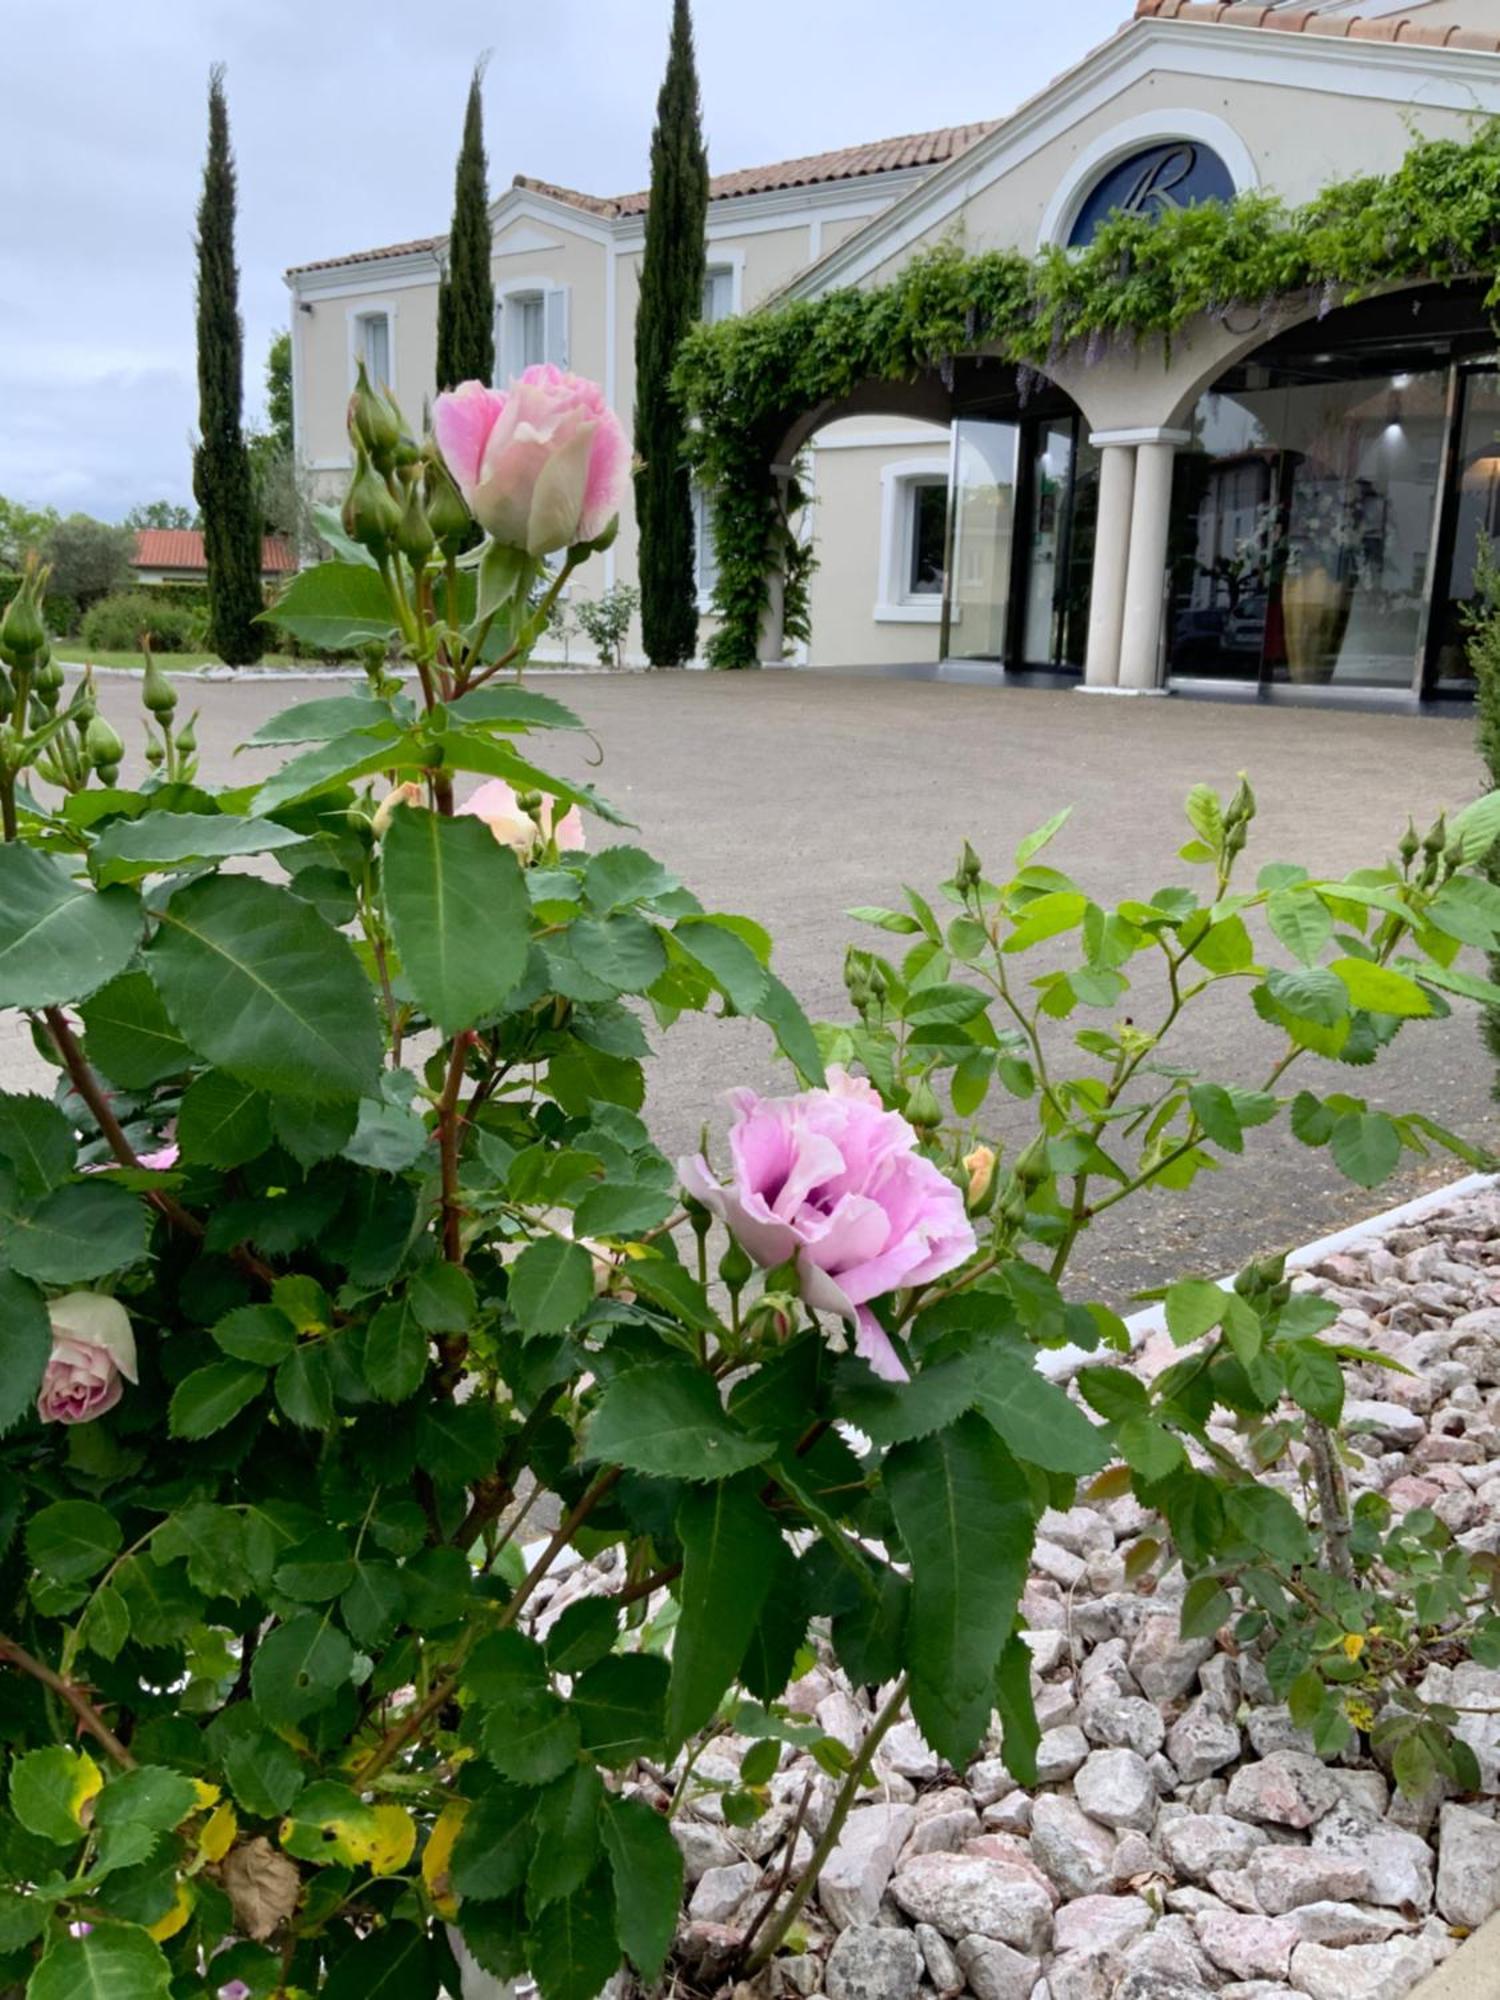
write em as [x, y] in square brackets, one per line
[1151, 503]
[1111, 551]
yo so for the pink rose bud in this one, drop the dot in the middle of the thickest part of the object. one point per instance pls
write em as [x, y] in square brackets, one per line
[93, 1356]
[542, 465]
[497, 805]
[409, 794]
[833, 1181]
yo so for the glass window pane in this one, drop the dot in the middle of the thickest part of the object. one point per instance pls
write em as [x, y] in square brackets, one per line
[1476, 514]
[533, 338]
[1051, 479]
[705, 554]
[376, 331]
[929, 519]
[984, 496]
[718, 293]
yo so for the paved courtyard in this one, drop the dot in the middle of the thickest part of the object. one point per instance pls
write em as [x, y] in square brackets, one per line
[792, 796]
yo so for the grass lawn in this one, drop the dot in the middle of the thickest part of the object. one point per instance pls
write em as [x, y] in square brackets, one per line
[72, 654]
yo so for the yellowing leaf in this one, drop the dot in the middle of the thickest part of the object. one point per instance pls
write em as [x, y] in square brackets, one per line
[1354, 1644]
[86, 1783]
[208, 1795]
[218, 1833]
[437, 1859]
[391, 1844]
[176, 1917]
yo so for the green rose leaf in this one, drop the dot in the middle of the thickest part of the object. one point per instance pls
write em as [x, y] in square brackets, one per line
[299, 1668]
[25, 1346]
[49, 1789]
[72, 1539]
[459, 914]
[262, 986]
[84, 1230]
[334, 605]
[1379, 989]
[567, 1826]
[401, 1962]
[160, 841]
[60, 939]
[730, 1548]
[666, 1418]
[395, 1352]
[1366, 1146]
[551, 1285]
[574, 1950]
[210, 1397]
[130, 1035]
[37, 1142]
[645, 1866]
[109, 1962]
[620, 1705]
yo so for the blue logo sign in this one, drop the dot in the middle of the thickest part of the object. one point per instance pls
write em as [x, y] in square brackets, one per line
[1177, 173]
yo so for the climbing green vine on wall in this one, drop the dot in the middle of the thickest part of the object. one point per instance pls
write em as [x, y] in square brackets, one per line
[746, 380]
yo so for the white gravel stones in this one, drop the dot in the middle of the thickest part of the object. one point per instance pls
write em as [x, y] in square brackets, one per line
[1288, 1788]
[1388, 1421]
[1363, 1971]
[703, 1847]
[1199, 1844]
[1059, 1754]
[965, 1895]
[874, 1963]
[1247, 1947]
[1117, 1788]
[943, 1968]
[1468, 1876]
[1076, 1851]
[1164, 1664]
[1399, 1864]
[721, 1891]
[1118, 1721]
[1101, 1923]
[855, 1874]
[1343, 1923]
[1201, 1741]
[996, 1972]
[1286, 1878]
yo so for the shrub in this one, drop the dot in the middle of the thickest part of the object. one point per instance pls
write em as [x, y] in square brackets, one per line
[291, 1315]
[605, 621]
[116, 624]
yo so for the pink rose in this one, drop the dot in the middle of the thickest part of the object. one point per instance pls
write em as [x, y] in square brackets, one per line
[835, 1181]
[495, 803]
[542, 464]
[159, 1162]
[93, 1356]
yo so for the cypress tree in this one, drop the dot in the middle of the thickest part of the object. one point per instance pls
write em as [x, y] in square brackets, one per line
[671, 301]
[466, 290]
[222, 481]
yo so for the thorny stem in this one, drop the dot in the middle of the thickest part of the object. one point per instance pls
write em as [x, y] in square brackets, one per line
[448, 1121]
[848, 1791]
[786, 1867]
[88, 1716]
[1333, 1499]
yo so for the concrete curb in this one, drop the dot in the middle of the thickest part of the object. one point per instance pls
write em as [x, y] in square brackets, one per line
[228, 676]
[1472, 1973]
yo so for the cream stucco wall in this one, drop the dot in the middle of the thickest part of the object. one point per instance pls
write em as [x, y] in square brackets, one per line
[857, 536]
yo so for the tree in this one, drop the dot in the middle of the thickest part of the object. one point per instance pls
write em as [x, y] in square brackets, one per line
[279, 388]
[89, 558]
[222, 479]
[22, 529]
[671, 301]
[466, 289]
[159, 514]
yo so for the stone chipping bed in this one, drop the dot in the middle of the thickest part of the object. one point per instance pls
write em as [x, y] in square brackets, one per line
[1183, 1839]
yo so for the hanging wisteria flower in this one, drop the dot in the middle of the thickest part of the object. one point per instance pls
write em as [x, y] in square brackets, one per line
[832, 1179]
[93, 1356]
[497, 805]
[542, 464]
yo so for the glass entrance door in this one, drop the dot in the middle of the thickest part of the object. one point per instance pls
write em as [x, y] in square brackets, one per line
[1473, 514]
[1059, 554]
[982, 516]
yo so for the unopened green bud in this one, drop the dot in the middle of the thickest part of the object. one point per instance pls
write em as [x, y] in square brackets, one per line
[1235, 837]
[158, 695]
[154, 752]
[371, 515]
[735, 1267]
[187, 736]
[1408, 845]
[47, 678]
[450, 519]
[414, 536]
[1031, 1167]
[102, 744]
[1241, 808]
[922, 1107]
[970, 871]
[109, 774]
[1436, 837]
[374, 422]
[23, 636]
[530, 803]
[857, 979]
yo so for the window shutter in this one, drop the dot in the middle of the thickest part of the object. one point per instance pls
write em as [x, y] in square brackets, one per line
[557, 325]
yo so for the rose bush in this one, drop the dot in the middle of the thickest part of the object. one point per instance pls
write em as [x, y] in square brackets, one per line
[341, 1251]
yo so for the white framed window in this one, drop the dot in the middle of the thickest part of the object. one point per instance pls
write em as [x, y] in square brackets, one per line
[705, 555]
[372, 341]
[913, 541]
[718, 293]
[531, 326]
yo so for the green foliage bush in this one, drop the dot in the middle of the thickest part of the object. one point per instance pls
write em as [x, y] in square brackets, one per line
[605, 621]
[1436, 217]
[116, 624]
[59, 612]
[343, 1240]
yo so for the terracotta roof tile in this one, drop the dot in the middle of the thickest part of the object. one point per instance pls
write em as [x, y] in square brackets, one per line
[182, 548]
[1311, 20]
[880, 156]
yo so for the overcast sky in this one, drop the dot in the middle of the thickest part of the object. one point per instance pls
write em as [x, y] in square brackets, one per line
[345, 119]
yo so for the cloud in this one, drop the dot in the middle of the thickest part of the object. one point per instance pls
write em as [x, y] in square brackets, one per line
[345, 117]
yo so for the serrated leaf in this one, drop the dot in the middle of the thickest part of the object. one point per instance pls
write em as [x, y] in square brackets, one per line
[130, 1035]
[1205, 1606]
[304, 1386]
[646, 1869]
[72, 1539]
[665, 1418]
[1314, 1379]
[1193, 1306]
[49, 1789]
[1301, 922]
[459, 914]
[1379, 989]
[25, 1347]
[441, 1295]
[109, 1961]
[567, 1845]
[1268, 1521]
[401, 1962]
[530, 1735]
[263, 1773]
[159, 842]
[962, 1505]
[299, 1667]
[261, 985]
[335, 605]
[574, 1951]
[730, 1548]
[223, 1121]
[1021, 1732]
[84, 1230]
[1215, 1111]
[256, 1333]
[551, 1285]
[36, 1142]
[620, 1706]
[60, 939]
[1148, 1448]
[211, 1397]
[395, 1352]
[614, 1208]
[1366, 1146]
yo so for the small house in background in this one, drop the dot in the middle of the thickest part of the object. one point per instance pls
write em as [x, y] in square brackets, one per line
[175, 555]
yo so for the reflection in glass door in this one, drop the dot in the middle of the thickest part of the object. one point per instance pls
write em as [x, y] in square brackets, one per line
[1059, 556]
[983, 535]
[1473, 515]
